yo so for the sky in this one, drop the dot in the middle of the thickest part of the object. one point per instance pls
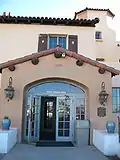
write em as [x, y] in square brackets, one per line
[60, 8]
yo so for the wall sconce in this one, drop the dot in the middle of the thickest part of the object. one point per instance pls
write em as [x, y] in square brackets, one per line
[103, 95]
[9, 91]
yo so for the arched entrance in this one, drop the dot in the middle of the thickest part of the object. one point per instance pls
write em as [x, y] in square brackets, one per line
[51, 109]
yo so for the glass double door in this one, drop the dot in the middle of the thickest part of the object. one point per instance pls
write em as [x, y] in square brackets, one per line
[49, 118]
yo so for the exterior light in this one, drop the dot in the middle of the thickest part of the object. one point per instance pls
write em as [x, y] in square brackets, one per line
[9, 91]
[103, 95]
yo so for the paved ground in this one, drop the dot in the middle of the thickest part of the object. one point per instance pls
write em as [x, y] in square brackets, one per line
[29, 152]
[1, 156]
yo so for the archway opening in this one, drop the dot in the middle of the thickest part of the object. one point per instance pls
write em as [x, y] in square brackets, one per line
[51, 109]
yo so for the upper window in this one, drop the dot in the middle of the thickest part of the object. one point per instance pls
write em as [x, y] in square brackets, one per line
[98, 35]
[57, 40]
[116, 100]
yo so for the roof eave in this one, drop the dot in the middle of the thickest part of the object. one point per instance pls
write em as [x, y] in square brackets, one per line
[48, 21]
[68, 53]
[95, 9]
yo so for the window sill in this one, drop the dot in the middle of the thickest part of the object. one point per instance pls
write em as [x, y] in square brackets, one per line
[99, 40]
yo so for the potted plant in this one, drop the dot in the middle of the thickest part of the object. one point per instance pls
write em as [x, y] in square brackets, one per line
[6, 122]
[110, 126]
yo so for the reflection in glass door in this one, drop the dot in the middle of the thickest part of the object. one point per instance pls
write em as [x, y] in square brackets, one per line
[64, 119]
[32, 118]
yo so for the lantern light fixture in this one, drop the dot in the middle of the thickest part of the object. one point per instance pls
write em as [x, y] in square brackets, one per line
[9, 91]
[103, 95]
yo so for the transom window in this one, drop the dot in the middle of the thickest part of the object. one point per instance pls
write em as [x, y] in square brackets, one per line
[55, 86]
[57, 40]
[116, 100]
[98, 35]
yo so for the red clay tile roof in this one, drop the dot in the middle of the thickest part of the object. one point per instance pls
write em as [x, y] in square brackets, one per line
[95, 9]
[68, 53]
[48, 21]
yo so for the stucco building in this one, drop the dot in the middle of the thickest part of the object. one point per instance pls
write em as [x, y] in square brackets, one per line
[57, 70]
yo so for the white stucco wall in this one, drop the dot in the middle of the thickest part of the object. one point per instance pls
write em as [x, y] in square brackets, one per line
[108, 48]
[107, 143]
[17, 40]
[102, 15]
[115, 79]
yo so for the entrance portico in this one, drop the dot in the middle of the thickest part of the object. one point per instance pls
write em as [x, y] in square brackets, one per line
[55, 93]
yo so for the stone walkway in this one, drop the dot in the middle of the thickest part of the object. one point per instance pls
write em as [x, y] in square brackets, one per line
[24, 152]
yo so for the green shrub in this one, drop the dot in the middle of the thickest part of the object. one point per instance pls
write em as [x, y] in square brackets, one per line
[6, 117]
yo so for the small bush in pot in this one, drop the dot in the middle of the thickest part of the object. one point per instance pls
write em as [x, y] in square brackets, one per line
[6, 122]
